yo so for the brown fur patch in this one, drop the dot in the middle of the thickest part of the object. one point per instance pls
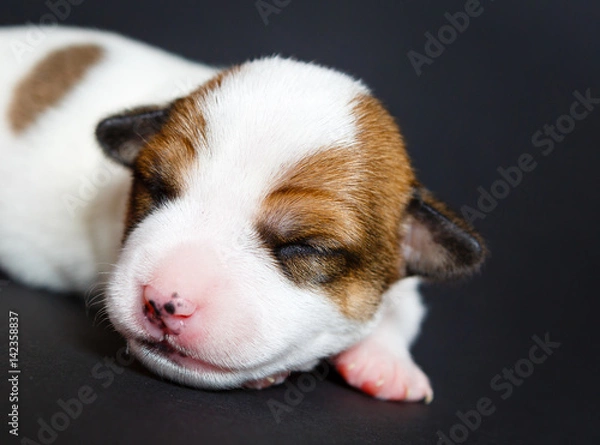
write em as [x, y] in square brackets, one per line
[161, 166]
[339, 211]
[163, 163]
[49, 81]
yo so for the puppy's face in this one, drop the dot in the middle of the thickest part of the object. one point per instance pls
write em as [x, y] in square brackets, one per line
[270, 211]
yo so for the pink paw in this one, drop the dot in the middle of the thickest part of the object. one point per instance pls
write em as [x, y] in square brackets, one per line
[381, 374]
[275, 379]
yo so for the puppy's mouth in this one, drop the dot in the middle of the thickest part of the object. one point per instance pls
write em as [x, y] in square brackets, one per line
[163, 352]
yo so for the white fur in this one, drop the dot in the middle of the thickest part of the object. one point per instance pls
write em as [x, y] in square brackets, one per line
[60, 225]
[44, 240]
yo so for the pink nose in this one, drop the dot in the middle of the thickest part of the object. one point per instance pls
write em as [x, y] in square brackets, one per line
[166, 311]
[181, 291]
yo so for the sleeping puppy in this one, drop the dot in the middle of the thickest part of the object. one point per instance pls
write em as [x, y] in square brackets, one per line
[254, 219]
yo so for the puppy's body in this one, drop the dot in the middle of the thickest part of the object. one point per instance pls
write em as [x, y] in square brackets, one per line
[273, 218]
[56, 230]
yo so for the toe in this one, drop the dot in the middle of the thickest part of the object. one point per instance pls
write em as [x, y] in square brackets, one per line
[263, 383]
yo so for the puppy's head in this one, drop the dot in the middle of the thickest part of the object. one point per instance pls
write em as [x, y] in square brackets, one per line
[270, 211]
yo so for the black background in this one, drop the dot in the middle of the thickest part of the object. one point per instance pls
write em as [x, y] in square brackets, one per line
[473, 110]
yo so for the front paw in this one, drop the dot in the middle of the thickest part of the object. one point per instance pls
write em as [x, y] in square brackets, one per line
[377, 371]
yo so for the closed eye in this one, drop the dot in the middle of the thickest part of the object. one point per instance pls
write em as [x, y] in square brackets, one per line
[155, 185]
[309, 262]
[309, 248]
[301, 249]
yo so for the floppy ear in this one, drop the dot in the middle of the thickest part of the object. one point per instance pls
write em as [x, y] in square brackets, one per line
[122, 136]
[437, 243]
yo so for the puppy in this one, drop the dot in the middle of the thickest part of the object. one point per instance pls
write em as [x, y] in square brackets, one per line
[259, 218]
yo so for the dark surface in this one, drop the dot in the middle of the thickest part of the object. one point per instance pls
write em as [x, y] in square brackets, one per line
[473, 110]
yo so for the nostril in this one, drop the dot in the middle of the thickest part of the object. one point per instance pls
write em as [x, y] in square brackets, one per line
[180, 306]
[150, 309]
[165, 312]
[158, 305]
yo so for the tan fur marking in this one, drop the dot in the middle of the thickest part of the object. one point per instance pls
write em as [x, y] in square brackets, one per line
[351, 198]
[49, 81]
[169, 154]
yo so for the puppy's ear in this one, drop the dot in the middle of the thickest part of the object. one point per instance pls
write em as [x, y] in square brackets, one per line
[437, 243]
[122, 136]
